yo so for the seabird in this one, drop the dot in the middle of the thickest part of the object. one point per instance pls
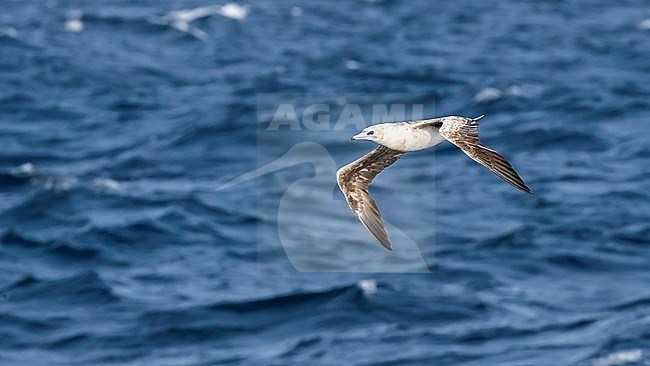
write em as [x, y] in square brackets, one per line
[396, 139]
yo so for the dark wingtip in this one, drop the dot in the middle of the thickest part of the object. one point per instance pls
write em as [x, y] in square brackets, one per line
[386, 245]
[524, 187]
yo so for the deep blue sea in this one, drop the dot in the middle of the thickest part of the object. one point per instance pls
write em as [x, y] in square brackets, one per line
[120, 119]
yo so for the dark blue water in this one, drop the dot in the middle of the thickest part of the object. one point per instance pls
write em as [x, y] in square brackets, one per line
[119, 119]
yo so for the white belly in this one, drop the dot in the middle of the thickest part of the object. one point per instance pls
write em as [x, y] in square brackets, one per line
[407, 138]
[426, 138]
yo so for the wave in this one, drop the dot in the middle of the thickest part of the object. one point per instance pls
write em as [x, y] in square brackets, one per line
[85, 288]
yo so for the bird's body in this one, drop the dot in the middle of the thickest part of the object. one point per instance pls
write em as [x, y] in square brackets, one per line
[395, 139]
[409, 136]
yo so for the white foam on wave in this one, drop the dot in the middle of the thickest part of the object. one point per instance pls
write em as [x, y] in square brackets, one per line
[620, 358]
[352, 65]
[181, 19]
[60, 183]
[57, 184]
[24, 170]
[645, 24]
[368, 287]
[515, 90]
[488, 95]
[234, 11]
[9, 32]
[296, 11]
[106, 183]
[190, 15]
[74, 23]
[47, 182]
[491, 94]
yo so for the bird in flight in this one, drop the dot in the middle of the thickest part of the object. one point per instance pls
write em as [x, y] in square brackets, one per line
[396, 139]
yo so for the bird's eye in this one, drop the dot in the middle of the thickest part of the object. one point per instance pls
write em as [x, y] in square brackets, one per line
[371, 133]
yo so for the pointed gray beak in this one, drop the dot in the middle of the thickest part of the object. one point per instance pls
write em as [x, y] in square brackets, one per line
[360, 136]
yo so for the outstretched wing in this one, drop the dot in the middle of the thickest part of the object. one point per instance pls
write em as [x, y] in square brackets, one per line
[353, 180]
[463, 132]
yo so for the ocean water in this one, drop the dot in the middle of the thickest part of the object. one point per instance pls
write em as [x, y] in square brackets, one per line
[119, 119]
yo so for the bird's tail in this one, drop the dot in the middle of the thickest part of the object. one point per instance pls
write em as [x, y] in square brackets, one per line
[477, 118]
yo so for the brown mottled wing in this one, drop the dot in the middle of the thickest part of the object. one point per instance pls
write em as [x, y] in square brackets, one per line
[354, 178]
[433, 122]
[463, 133]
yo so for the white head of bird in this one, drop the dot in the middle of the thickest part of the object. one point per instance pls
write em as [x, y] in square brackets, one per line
[391, 135]
[372, 133]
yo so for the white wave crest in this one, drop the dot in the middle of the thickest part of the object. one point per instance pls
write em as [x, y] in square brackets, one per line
[620, 358]
[181, 19]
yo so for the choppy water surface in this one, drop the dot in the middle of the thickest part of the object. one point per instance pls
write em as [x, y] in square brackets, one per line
[119, 119]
